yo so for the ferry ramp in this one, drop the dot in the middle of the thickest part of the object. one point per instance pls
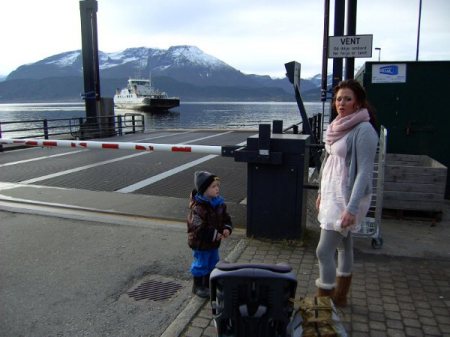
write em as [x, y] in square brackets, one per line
[159, 176]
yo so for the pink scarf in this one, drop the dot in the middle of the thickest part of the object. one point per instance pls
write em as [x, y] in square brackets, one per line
[342, 125]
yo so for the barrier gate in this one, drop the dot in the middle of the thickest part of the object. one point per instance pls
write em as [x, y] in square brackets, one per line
[277, 168]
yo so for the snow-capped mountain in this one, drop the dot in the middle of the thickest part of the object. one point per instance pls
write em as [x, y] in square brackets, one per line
[180, 70]
[129, 62]
[316, 80]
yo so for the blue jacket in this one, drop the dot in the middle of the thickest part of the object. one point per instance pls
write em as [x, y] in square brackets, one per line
[206, 220]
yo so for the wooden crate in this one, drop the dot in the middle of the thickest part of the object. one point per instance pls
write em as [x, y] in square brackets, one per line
[414, 182]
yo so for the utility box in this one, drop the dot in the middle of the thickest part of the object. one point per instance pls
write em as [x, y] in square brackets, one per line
[276, 173]
[411, 101]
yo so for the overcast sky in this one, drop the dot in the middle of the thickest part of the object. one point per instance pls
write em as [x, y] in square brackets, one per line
[253, 36]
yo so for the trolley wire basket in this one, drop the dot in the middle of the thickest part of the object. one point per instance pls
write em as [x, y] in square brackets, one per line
[371, 225]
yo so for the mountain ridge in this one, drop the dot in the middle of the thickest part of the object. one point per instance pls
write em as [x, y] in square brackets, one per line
[184, 71]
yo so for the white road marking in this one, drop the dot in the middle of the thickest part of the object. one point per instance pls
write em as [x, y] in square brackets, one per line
[162, 136]
[39, 158]
[207, 137]
[74, 152]
[149, 181]
[81, 168]
[158, 177]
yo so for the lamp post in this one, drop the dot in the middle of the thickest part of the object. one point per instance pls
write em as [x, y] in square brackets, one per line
[379, 53]
[418, 30]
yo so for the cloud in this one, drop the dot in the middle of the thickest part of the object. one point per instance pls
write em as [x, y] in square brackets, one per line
[254, 36]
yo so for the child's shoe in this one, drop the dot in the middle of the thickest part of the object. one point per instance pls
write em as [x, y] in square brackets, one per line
[199, 289]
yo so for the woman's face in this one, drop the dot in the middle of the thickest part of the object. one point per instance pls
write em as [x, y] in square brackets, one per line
[345, 102]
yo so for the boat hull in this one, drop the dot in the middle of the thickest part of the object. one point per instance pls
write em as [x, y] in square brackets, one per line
[141, 95]
[162, 103]
[150, 104]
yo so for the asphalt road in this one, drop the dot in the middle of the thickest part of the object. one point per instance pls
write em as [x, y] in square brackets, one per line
[70, 276]
[63, 277]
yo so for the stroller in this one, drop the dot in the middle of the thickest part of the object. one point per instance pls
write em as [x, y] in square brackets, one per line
[257, 300]
[252, 299]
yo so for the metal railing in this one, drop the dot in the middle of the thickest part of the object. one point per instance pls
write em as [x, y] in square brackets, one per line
[73, 128]
[316, 146]
[316, 126]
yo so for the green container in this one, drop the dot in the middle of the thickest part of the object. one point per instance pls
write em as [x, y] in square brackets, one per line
[412, 101]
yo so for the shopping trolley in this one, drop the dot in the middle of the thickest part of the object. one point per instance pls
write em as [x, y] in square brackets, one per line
[371, 225]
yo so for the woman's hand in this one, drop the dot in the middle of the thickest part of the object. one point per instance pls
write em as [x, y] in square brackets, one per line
[318, 202]
[347, 219]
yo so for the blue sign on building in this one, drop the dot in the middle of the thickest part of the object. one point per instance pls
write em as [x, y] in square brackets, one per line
[389, 70]
[389, 73]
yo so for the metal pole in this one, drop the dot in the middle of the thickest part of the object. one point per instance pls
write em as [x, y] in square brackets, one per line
[379, 53]
[326, 33]
[351, 30]
[418, 30]
[326, 25]
[119, 122]
[339, 15]
[45, 128]
[88, 15]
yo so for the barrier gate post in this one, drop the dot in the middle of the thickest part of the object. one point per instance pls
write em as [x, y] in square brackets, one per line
[277, 169]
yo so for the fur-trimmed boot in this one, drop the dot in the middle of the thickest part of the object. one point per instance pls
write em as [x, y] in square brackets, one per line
[342, 288]
[198, 287]
[324, 289]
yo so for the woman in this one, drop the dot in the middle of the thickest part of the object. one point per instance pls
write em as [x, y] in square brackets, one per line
[345, 189]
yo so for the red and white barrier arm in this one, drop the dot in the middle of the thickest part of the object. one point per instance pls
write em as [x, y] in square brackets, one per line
[207, 149]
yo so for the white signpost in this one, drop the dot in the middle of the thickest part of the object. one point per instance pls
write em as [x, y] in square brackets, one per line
[350, 46]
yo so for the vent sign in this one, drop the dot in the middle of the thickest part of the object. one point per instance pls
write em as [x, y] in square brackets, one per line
[389, 73]
[350, 46]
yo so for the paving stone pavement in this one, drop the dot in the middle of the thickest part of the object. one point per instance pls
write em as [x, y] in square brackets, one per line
[390, 296]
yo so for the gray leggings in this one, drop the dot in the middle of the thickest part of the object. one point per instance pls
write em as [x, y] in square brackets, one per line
[330, 241]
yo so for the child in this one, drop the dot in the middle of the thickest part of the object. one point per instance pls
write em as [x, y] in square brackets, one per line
[207, 224]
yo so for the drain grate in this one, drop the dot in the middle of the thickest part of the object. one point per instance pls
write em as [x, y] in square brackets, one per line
[154, 290]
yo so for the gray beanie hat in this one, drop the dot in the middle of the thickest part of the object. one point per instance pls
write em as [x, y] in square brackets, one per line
[202, 180]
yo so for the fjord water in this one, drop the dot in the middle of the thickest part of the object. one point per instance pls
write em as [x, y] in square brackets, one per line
[203, 115]
[230, 115]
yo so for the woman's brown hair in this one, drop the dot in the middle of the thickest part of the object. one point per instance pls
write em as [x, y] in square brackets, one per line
[361, 99]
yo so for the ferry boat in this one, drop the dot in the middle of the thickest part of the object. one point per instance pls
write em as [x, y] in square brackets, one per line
[141, 95]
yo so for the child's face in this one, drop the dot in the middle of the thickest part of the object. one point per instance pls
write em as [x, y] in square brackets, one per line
[213, 190]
